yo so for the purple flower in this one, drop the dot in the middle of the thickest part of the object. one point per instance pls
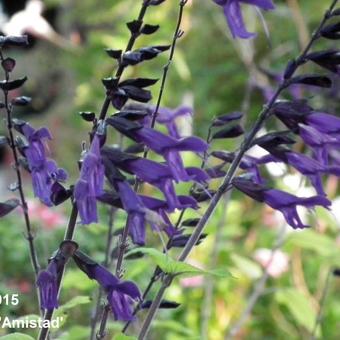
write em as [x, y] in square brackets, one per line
[43, 178]
[120, 294]
[324, 123]
[162, 208]
[135, 209]
[280, 200]
[35, 151]
[156, 174]
[168, 117]
[90, 183]
[169, 148]
[307, 166]
[47, 283]
[44, 171]
[233, 14]
[318, 141]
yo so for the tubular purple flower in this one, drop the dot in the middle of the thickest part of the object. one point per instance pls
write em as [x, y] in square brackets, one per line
[135, 209]
[156, 174]
[120, 294]
[90, 183]
[35, 151]
[324, 122]
[44, 172]
[280, 200]
[161, 207]
[321, 143]
[168, 117]
[233, 14]
[47, 283]
[307, 166]
[169, 147]
[43, 178]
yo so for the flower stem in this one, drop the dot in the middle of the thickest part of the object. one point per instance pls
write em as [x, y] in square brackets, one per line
[102, 332]
[12, 144]
[319, 316]
[264, 114]
[74, 213]
[156, 274]
[177, 34]
[106, 263]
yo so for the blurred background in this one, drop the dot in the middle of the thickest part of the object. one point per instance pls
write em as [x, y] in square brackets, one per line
[65, 63]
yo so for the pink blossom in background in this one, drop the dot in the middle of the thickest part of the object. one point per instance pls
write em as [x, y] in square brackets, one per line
[195, 281]
[47, 218]
[276, 263]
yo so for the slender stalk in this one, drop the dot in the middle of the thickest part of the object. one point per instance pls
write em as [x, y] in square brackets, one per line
[74, 213]
[167, 280]
[319, 316]
[121, 68]
[108, 247]
[102, 332]
[177, 34]
[13, 146]
[229, 176]
[209, 282]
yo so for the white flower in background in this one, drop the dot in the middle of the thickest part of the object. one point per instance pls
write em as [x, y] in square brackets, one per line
[276, 263]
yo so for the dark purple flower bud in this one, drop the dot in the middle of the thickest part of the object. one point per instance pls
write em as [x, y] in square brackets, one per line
[233, 14]
[291, 113]
[90, 183]
[8, 64]
[120, 294]
[228, 132]
[21, 40]
[7, 206]
[312, 80]
[327, 59]
[12, 84]
[280, 200]
[180, 241]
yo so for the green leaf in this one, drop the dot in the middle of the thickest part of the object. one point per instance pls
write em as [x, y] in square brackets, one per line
[299, 306]
[76, 301]
[75, 333]
[77, 279]
[309, 239]
[123, 337]
[16, 336]
[171, 266]
[174, 326]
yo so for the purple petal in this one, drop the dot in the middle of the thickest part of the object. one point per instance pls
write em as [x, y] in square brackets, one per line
[129, 288]
[232, 12]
